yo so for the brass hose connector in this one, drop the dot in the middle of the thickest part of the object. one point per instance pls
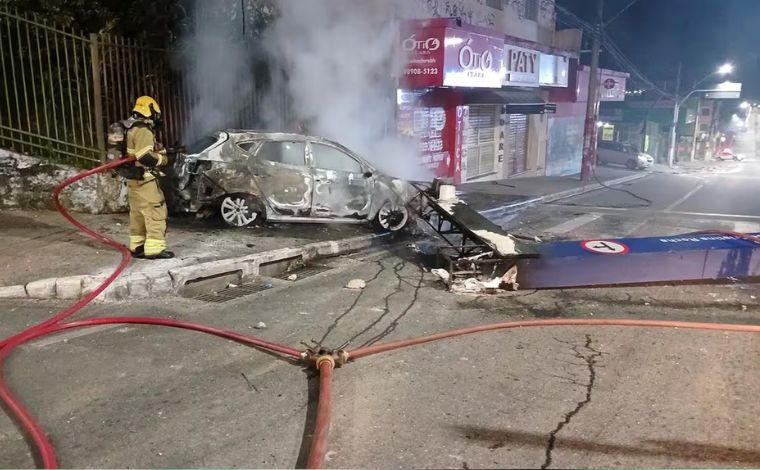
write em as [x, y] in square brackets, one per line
[316, 355]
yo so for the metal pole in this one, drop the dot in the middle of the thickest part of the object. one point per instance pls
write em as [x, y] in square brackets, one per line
[97, 95]
[696, 130]
[592, 105]
[676, 113]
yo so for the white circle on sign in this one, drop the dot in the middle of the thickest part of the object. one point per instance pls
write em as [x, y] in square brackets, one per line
[604, 247]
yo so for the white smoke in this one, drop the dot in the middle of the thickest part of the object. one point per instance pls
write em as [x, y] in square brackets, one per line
[341, 61]
[217, 58]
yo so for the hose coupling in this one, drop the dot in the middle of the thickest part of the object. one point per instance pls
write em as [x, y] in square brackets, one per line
[316, 354]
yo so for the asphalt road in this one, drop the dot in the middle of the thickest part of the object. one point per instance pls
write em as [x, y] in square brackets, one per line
[532, 398]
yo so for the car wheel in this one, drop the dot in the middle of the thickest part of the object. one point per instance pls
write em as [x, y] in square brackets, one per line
[392, 217]
[240, 210]
[631, 165]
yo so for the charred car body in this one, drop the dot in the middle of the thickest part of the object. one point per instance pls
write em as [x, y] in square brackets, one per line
[250, 177]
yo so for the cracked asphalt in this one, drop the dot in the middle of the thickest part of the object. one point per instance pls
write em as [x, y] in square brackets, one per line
[134, 396]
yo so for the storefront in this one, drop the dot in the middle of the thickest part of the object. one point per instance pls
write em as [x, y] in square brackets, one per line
[469, 100]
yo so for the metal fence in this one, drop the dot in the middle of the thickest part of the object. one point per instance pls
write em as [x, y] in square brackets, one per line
[61, 89]
[47, 105]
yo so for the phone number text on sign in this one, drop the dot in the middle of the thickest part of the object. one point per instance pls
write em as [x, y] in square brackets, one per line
[422, 71]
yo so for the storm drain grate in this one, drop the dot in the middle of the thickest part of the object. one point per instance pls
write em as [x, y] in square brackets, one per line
[304, 272]
[233, 293]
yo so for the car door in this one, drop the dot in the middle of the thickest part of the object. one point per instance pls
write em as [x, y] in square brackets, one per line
[281, 173]
[614, 153]
[342, 184]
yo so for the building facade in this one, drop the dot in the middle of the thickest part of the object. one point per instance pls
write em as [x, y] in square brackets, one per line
[475, 90]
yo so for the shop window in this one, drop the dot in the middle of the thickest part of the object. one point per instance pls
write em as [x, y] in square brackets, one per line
[330, 158]
[289, 153]
[706, 111]
[480, 141]
[530, 11]
[497, 4]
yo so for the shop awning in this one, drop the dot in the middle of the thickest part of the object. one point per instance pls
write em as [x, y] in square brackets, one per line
[516, 101]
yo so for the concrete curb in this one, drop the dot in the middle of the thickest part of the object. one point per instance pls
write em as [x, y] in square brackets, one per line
[139, 285]
[497, 212]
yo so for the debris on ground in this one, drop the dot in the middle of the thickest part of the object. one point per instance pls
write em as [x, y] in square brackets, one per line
[473, 285]
[441, 274]
[744, 308]
[292, 277]
[356, 284]
[509, 279]
[260, 325]
[267, 286]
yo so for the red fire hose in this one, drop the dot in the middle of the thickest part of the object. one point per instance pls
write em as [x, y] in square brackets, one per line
[318, 448]
[324, 365]
[54, 325]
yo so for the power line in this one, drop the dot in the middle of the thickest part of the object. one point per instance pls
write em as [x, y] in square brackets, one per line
[633, 2]
[572, 20]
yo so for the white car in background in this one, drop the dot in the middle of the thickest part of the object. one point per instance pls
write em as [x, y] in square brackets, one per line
[619, 153]
[728, 154]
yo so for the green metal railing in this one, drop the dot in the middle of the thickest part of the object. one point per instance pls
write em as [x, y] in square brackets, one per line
[60, 90]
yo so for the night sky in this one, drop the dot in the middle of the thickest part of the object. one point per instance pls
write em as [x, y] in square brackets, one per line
[656, 34]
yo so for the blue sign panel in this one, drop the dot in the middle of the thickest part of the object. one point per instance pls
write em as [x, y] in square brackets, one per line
[688, 242]
[689, 257]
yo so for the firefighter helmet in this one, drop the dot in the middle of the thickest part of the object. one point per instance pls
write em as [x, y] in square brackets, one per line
[148, 108]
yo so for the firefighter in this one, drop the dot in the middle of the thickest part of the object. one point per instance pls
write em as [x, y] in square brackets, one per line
[147, 205]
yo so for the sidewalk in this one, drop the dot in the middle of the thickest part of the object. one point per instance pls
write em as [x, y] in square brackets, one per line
[493, 198]
[45, 257]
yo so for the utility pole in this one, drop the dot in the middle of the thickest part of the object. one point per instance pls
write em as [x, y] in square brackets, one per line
[696, 129]
[676, 112]
[592, 106]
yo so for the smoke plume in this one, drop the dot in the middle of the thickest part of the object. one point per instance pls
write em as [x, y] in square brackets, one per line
[217, 60]
[341, 61]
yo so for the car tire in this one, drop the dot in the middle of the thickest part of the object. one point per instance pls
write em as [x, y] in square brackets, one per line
[631, 164]
[241, 210]
[391, 217]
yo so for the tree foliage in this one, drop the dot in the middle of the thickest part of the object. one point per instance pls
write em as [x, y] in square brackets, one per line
[159, 22]
[156, 22]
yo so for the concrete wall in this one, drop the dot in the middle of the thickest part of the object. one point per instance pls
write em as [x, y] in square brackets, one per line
[509, 20]
[27, 182]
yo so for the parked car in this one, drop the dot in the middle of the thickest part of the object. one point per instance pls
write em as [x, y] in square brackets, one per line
[728, 154]
[619, 153]
[251, 177]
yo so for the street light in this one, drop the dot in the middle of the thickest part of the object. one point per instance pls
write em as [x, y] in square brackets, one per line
[724, 69]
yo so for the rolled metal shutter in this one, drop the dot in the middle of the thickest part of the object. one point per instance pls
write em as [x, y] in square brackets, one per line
[517, 145]
[480, 141]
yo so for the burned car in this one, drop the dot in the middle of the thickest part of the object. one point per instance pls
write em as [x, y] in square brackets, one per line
[250, 177]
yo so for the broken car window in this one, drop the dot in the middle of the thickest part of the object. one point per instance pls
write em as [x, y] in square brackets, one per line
[201, 144]
[330, 158]
[247, 146]
[289, 153]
